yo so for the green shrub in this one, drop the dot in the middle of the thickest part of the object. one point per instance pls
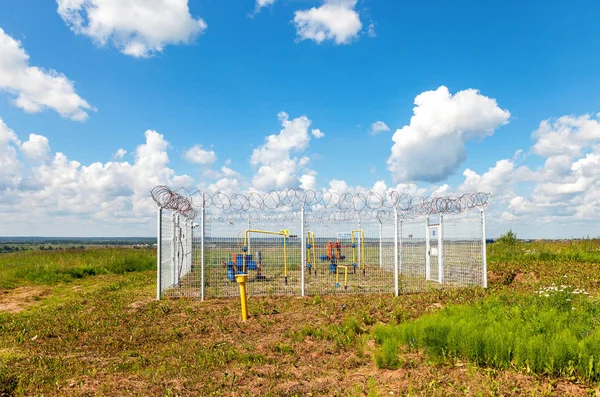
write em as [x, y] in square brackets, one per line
[509, 238]
[555, 332]
[387, 357]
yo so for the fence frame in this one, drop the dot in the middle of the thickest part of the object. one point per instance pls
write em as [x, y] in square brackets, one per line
[184, 213]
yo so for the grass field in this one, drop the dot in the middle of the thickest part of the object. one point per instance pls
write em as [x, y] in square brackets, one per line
[86, 323]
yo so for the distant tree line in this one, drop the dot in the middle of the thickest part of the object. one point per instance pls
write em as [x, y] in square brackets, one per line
[4, 249]
[78, 241]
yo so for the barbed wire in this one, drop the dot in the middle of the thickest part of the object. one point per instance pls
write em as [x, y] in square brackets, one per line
[279, 204]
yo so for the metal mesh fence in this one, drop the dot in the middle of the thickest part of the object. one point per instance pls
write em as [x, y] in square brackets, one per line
[309, 250]
[175, 254]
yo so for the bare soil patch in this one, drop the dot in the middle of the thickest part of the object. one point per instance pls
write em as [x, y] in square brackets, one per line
[18, 299]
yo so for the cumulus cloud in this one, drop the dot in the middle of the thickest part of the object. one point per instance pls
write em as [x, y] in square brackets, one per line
[120, 154]
[139, 28]
[318, 134]
[10, 166]
[34, 88]
[565, 136]
[308, 182]
[277, 168]
[263, 3]
[197, 155]
[432, 146]
[564, 190]
[36, 149]
[81, 196]
[335, 20]
[378, 127]
[497, 180]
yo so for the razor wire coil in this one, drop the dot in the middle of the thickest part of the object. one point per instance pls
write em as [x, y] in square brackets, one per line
[281, 204]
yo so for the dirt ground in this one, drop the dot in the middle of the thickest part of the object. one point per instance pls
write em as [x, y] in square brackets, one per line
[18, 299]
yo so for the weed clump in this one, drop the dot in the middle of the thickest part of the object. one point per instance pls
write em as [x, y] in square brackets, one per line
[554, 332]
[387, 357]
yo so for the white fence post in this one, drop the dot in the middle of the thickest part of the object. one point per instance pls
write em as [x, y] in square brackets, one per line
[159, 254]
[401, 248]
[427, 250]
[302, 249]
[380, 244]
[360, 244]
[396, 287]
[441, 250]
[203, 232]
[483, 248]
[249, 234]
[173, 248]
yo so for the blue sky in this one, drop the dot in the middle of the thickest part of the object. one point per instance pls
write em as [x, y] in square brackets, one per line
[218, 74]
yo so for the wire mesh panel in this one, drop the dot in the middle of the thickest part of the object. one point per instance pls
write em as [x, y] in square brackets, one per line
[413, 254]
[176, 255]
[463, 261]
[349, 256]
[166, 251]
[292, 243]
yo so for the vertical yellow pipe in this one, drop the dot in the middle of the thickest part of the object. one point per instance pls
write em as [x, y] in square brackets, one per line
[313, 249]
[241, 279]
[363, 248]
[284, 255]
[346, 276]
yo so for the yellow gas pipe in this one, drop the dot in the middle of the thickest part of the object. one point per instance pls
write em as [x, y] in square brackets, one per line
[241, 279]
[283, 233]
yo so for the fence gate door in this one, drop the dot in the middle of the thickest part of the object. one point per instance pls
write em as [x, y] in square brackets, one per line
[433, 251]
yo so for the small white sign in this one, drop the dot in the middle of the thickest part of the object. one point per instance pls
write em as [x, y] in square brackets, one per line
[434, 251]
[344, 236]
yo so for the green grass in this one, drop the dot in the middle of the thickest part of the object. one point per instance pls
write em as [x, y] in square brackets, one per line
[52, 267]
[554, 332]
[587, 250]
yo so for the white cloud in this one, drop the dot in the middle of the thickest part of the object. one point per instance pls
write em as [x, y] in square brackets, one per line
[340, 187]
[433, 146]
[308, 182]
[497, 180]
[224, 172]
[335, 20]
[82, 199]
[139, 28]
[10, 166]
[318, 134]
[563, 194]
[120, 154]
[36, 149]
[225, 185]
[378, 127]
[566, 136]
[37, 89]
[277, 168]
[263, 3]
[280, 176]
[371, 31]
[197, 155]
